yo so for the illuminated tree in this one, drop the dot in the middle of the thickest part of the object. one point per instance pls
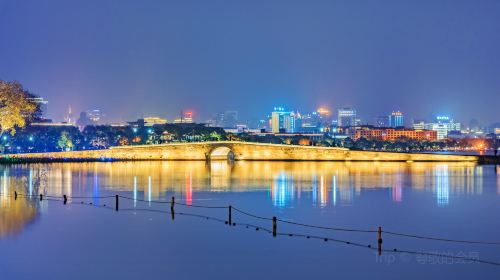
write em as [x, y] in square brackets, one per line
[15, 106]
[215, 136]
[123, 141]
[65, 142]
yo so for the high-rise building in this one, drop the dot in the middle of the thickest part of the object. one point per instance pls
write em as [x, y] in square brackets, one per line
[95, 116]
[346, 117]
[324, 113]
[83, 121]
[382, 121]
[396, 119]
[442, 125]
[227, 119]
[309, 122]
[418, 124]
[282, 121]
[186, 117]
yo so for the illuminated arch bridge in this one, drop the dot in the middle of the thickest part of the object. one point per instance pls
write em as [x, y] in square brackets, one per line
[233, 150]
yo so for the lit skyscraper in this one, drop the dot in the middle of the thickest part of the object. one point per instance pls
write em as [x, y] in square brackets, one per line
[346, 117]
[443, 126]
[282, 121]
[396, 119]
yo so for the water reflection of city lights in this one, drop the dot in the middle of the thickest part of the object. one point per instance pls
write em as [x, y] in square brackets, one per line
[320, 183]
[442, 185]
[95, 189]
[4, 181]
[314, 187]
[323, 192]
[282, 190]
[149, 190]
[497, 172]
[397, 188]
[135, 191]
[189, 189]
[334, 190]
[30, 182]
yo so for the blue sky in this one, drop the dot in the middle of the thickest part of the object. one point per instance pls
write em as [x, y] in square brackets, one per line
[130, 58]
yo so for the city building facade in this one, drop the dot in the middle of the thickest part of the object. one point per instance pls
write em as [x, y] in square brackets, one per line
[391, 134]
[282, 121]
[346, 117]
[396, 119]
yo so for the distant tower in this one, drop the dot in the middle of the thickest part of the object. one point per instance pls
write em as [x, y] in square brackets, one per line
[69, 117]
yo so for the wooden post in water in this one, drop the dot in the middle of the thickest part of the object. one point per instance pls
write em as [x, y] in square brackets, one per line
[116, 200]
[379, 241]
[15, 195]
[65, 199]
[274, 226]
[229, 218]
[172, 203]
[41, 197]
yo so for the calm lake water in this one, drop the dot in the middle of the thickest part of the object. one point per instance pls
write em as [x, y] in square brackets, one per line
[88, 239]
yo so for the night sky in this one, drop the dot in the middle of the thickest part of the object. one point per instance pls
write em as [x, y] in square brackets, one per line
[130, 58]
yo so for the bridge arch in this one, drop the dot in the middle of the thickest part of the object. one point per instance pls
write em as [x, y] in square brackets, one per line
[221, 153]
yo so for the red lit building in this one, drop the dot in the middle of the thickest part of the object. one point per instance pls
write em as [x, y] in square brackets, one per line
[391, 134]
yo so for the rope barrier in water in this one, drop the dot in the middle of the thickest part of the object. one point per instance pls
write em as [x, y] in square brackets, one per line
[58, 198]
[327, 228]
[440, 239]
[252, 215]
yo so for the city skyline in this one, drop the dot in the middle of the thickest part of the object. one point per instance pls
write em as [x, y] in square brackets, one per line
[214, 118]
[153, 58]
